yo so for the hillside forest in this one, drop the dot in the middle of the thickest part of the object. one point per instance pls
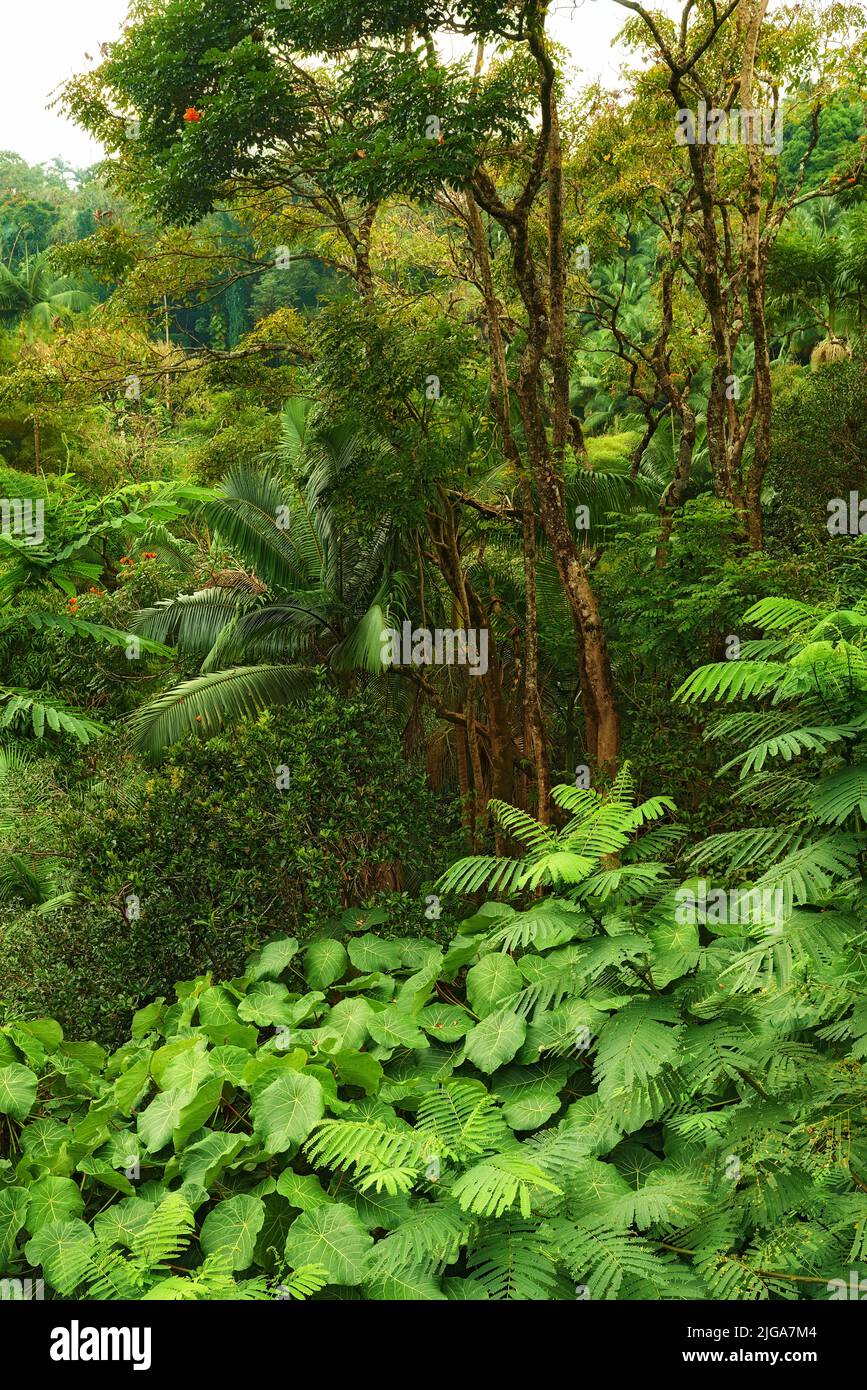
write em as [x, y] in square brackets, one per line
[433, 659]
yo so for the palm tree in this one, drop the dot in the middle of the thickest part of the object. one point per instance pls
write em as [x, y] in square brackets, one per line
[302, 589]
[35, 297]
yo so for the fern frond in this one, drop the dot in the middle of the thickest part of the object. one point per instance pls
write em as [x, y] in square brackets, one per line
[730, 680]
[497, 1183]
[512, 1261]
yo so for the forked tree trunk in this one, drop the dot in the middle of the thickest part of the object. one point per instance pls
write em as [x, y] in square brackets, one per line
[546, 343]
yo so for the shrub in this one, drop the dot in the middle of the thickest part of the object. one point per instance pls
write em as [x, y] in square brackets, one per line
[828, 409]
[218, 855]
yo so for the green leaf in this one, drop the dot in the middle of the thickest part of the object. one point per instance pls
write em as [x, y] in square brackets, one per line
[495, 1040]
[634, 1046]
[331, 1236]
[675, 951]
[203, 1162]
[325, 962]
[445, 1022]
[198, 1109]
[203, 705]
[18, 1087]
[286, 1110]
[410, 1285]
[63, 1250]
[148, 1019]
[131, 1085]
[494, 979]
[302, 1190]
[232, 1227]
[370, 952]
[13, 1211]
[393, 1029]
[532, 1106]
[49, 1033]
[497, 1183]
[271, 960]
[347, 1023]
[187, 1071]
[357, 1069]
[53, 1199]
[267, 1004]
[160, 1119]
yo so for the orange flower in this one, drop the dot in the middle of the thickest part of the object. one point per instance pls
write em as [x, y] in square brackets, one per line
[149, 555]
[191, 114]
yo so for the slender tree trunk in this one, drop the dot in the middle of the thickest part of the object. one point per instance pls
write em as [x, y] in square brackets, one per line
[532, 705]
[674, 493]
[546, 334]
[762, 383]
[467, 797]
[500, 394]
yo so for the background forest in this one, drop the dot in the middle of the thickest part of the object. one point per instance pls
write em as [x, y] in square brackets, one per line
[346, 335]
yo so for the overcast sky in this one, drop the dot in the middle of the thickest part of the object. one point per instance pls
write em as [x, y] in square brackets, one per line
[45, 41]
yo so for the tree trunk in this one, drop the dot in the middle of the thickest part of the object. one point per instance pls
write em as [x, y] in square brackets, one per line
[532, 706]
[762, 384]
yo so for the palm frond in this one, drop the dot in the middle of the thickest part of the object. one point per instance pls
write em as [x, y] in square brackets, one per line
[205, 704]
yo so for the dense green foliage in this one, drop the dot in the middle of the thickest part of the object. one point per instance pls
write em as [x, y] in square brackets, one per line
[585, 1095]
[433, 660]
[259, 851]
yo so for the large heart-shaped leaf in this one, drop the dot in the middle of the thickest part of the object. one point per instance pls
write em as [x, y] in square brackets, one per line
[372, 953]
[271, 960]
[53, 1199]
[495, 979]
[325, 962]
[158, 1122]
[18, 1086]
[286, 1110]
[331, 1236]
[232, 1227]
[391, 1028]
[267, 1004]
[495, 1040]
[13, 1210]
[62, 1249]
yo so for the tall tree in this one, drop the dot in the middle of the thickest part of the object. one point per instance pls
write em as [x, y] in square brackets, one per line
[332, 114]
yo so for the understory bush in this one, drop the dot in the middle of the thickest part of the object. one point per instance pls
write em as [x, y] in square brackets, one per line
[280, 823]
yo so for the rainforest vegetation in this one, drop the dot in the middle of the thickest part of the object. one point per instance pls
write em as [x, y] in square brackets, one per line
[433, 645]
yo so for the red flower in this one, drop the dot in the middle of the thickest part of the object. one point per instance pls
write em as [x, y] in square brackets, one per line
[191, 114]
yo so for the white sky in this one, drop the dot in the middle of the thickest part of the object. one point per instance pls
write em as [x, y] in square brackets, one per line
[45, 41]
